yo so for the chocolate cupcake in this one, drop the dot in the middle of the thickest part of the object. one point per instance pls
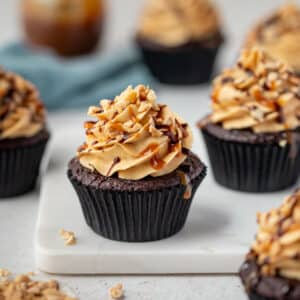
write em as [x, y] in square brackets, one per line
[272, 268]
[279, 35]
[23, 134]
[252, 135]
[135, 175]
[180, 39]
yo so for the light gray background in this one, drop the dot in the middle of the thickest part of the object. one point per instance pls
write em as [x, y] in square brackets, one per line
[17, 217]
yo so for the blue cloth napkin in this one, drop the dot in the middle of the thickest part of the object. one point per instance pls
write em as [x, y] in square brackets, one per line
[71, 83]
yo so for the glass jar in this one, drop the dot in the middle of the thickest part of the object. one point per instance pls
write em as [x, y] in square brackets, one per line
[69, 27]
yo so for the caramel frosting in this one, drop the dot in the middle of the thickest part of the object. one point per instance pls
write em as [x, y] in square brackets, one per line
[277, 245]
[134, 137]
[176, 22]
[259, 93]
[279, 35]
[22, 114]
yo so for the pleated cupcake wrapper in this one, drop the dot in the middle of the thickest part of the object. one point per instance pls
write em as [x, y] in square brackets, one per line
[190, 66]
[288, 296]
[253, 296]
[252, 167]
[135, 216]
[19, 168]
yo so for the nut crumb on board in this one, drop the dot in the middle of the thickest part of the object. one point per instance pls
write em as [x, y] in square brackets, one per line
[116, 292]
[24, 288]
[68, 236]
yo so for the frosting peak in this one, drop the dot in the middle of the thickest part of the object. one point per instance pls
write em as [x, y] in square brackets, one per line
[279, 35]
[134, 137]
[258, 93]
[277, 244]
[177, 22]
[21, 112]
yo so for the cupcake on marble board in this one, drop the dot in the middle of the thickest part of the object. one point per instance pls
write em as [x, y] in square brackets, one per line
[252, 134]
[279, 35]
[135, 175]
[23, 134]
[180, 39]
[272, 267]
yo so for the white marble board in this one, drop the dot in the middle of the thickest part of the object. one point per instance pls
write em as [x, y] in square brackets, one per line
[219, 230]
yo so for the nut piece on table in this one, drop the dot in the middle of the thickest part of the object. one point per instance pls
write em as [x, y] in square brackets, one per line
[4, 273]
[22, 287]
[116, 292]
[68, 236]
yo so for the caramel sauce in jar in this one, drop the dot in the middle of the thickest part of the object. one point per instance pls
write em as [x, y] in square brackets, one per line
[68, 27]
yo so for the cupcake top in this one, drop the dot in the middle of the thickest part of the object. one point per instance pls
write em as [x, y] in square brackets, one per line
[177, 22]
[22, 114]
[279, 35]
[258, 94]
[134, 137]
[277, 245]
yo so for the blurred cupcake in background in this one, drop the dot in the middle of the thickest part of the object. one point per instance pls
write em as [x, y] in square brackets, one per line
[279, 35]
[23, 134]
[253, 132]
[272, 267]
[180, 39]
[135, 175]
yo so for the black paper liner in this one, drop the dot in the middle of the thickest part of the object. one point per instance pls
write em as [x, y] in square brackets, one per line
[135, 216]
[19, 167]
[257, 168]
[182, 66]
[260, 287]
[253, 296]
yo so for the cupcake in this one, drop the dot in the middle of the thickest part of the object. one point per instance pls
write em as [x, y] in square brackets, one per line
[179, 40]
[252, 134]
[279, 35]
[23, 134]
[272, 268]
[135, 175]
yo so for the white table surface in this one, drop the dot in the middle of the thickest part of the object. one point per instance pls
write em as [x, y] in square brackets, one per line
[18, 217]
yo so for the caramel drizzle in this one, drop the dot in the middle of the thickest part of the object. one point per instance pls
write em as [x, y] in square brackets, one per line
[114, 163]
[82, 147]
[150, 149]
[186, 181]
[157, 163]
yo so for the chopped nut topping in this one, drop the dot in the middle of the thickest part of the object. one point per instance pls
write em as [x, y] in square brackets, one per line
[22, 114]
[127, 128]
[261, 96]
[116, 292]
[276, 248]
[68, 236]
[23, 288]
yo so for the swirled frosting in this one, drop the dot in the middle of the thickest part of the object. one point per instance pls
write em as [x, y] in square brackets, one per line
[177, 22]
[279, 35]
[259, 93]
[277, 245]
[21, 112]
[134, 137]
